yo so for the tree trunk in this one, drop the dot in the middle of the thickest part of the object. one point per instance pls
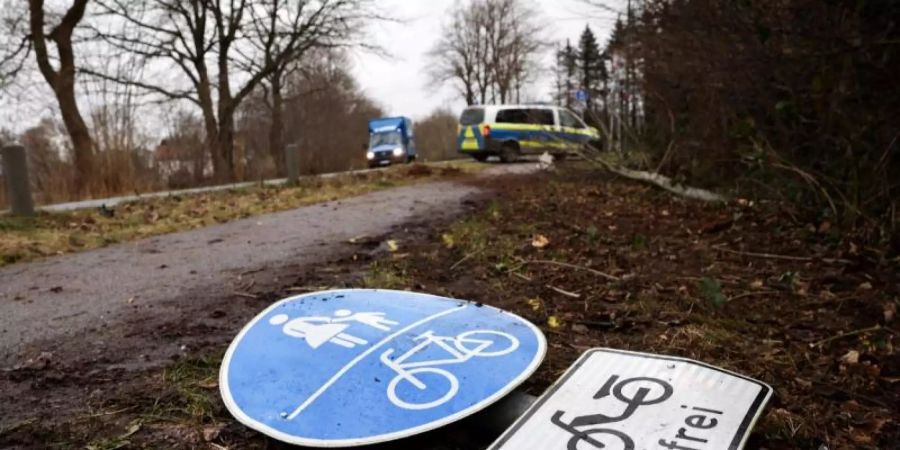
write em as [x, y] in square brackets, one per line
[82, 145]
[225, 171]
[62, 81]
[276, 130]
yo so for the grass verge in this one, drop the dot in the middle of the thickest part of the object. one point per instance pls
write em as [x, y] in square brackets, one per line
[28, 238]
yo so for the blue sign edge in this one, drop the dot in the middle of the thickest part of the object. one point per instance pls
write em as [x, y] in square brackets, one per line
[245, 419]
[762, 399]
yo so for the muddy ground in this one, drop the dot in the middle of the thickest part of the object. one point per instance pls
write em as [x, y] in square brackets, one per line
[801, 306]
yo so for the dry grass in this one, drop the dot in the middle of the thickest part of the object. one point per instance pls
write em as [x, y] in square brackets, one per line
[24, 239]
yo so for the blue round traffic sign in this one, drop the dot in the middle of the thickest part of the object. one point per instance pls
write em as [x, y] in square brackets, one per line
[356, 367]
[581, 96]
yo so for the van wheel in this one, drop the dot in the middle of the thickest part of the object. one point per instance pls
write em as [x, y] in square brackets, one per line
[480, 157]
[509, 152]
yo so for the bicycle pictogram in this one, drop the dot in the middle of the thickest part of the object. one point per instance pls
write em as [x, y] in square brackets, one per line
[462, 348]
[633, 392]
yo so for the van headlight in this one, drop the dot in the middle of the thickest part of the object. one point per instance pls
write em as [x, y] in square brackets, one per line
[370, 155]
[398, 151]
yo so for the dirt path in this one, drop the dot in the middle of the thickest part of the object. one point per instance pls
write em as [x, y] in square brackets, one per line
[139, 304]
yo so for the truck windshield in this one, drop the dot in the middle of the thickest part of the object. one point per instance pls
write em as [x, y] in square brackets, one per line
[389, 138]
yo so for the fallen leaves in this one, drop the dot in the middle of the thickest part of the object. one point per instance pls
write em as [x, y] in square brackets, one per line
[209, 383]
[554, 322]
[540, 241]
[448, 240]
[851, 357]
[392, 246]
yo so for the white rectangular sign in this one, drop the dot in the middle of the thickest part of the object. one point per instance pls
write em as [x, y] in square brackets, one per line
[619, 400]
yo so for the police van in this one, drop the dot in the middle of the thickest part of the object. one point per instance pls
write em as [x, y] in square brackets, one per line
[510, 131]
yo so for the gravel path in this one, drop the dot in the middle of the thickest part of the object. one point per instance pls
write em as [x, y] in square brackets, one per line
[57, 304]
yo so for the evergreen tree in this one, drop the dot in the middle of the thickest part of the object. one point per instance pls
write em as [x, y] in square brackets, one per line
[566, 74]
[617, 38]
[592, 68]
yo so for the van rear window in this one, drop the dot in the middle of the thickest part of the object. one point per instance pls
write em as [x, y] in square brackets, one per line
[472, 116]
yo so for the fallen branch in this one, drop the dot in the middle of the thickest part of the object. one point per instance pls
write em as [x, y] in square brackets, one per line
[667, 184]
[245, 295]
[572, 266]
[658, 180]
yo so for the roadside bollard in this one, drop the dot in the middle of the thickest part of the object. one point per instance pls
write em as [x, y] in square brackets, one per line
[292, 163]
[15, 167]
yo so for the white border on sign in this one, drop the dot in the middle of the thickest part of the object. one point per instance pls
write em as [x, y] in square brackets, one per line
[322, 443]
[764, 396]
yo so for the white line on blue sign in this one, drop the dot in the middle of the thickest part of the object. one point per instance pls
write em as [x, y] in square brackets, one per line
[363, 355]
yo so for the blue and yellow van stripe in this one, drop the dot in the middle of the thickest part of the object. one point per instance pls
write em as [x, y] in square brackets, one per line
[528, 136]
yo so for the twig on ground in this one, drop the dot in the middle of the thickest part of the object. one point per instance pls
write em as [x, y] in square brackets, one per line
[108, 413]
[852, 394]
[307, 288]
[519, 275]
[563, 292]
[851, 334]
[240, 275]
[465, 258]
[571, 266]
[751, 294]
[781, 257]
[245, 295]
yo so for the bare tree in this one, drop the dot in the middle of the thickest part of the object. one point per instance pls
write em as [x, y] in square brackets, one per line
[488, 50]
[456, 57]
[327, 111]
[512, 43]
[28, 33]
[224, 48]
[283, 32]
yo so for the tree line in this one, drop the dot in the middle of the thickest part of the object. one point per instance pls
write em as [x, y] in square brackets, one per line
[792, 101]
[213, 57]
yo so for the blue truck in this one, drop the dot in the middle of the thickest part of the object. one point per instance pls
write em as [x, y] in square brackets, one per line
[390, 141]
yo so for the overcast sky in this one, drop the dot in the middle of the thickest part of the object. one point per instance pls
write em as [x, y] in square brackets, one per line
[400, 84]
